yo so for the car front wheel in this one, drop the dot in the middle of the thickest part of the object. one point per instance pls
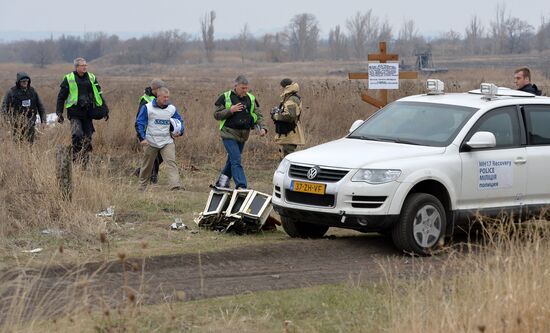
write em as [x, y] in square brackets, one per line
[302, 229]
[421, 225]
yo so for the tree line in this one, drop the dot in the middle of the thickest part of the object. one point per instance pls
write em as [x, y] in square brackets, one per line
[300, 40]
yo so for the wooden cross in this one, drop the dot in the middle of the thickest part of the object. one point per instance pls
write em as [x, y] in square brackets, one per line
[382, 57]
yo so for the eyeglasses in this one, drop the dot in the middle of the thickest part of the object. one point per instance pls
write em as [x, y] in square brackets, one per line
[24, 81]
[85, 65]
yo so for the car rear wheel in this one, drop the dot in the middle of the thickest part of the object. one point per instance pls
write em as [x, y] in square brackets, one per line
[302, 229]
[421, 225]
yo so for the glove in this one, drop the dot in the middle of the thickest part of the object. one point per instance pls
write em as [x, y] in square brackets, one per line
[60, 118]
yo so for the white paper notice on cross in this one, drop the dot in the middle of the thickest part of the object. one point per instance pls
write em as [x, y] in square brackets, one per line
[383, 75]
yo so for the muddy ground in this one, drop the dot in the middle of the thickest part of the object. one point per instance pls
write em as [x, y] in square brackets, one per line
[292, 264]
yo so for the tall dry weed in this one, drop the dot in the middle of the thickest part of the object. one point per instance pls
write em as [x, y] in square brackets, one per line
[501, 286]
[31, 198]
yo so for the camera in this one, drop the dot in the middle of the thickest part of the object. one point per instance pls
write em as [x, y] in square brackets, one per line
[275, 110]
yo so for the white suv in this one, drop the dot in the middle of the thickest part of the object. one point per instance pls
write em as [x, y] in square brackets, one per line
[420, 165]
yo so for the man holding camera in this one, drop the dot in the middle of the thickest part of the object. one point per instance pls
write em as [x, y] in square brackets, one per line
[237, 111]
[288, 129]
[81, 95]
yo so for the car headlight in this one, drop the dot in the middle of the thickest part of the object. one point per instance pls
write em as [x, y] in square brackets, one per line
[283, 166]
[376, 176]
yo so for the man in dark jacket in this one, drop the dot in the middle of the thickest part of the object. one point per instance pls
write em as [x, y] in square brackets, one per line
[80, 94]
[149, 94]
[20, 106]
[237, 111]
[522, 80]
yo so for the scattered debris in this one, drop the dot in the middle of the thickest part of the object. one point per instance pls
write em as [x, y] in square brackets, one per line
[109, 212]
[276, 276]
[37, 250]
[53, 232]
[51, 119]
[240, 211]
[178, 225]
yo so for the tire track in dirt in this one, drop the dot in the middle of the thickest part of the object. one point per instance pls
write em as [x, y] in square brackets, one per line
[292, 264]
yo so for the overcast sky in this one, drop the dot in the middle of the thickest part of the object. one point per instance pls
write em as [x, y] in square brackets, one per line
[138, 16]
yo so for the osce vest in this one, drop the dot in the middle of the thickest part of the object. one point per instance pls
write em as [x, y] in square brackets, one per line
[73, 90]
[228, 105]
[158, 125]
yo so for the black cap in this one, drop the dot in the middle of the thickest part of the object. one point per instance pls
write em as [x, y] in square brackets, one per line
[286, 82]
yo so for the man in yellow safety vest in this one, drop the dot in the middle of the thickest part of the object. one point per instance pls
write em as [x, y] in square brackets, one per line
[81, 95]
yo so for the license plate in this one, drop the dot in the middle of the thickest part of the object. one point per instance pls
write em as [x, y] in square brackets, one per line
[307, 187]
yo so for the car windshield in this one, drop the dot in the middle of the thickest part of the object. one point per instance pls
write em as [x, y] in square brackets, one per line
[416, 123]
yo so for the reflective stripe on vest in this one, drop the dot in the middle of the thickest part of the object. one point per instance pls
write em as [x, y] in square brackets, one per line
[147, 98]
[73, 90]
[228, 105]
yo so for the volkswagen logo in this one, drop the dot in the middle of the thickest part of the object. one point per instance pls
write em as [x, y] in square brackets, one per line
[313, 172]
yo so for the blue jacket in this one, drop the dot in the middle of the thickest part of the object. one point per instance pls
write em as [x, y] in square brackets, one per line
[143, 119]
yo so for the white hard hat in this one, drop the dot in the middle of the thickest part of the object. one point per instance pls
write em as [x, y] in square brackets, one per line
[175, 126]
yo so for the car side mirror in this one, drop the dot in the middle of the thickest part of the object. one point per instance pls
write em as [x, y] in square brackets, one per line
[482, 139]
[356, 124]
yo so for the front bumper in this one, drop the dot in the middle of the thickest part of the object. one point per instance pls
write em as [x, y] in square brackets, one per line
[364, 223]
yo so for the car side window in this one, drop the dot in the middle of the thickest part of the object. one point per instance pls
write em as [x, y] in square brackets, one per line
[503, 123]
[538, 124]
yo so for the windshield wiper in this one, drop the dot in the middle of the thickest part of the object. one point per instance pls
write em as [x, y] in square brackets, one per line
[364, 137]
[407, 142]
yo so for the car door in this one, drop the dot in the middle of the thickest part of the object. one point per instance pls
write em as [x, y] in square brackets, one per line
[495, 177]
[537, 119]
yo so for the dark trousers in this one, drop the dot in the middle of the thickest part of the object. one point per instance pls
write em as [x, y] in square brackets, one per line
[156, 166]
[81, 135]
[23, 128]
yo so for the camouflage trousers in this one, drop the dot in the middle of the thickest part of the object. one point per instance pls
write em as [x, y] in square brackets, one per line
[286, 149]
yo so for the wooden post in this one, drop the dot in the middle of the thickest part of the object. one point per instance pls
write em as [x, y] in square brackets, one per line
[63, 170]
[382, 57]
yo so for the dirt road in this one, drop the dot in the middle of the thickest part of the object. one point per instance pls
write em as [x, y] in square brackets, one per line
[292, 264]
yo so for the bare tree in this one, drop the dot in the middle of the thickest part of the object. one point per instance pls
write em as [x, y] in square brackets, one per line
[169, 44]
[40, 53]
[543, 35]
[274, 46]
[337, 43]
[451, 43]
[207, 30]
[474, 33]
[498, 28]
[244, 37]
[363, 30]
[408, 39]
[385, 33]
[303, 36]
[517, 32]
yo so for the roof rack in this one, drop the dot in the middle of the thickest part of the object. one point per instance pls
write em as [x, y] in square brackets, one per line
[491, 91]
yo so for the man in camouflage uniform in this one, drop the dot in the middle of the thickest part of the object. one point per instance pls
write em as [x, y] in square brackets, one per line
[289, 132]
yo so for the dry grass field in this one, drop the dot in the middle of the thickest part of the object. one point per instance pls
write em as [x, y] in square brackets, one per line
[500, 286]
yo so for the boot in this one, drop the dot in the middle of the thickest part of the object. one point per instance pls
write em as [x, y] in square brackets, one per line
[223, 181]
[154, 177]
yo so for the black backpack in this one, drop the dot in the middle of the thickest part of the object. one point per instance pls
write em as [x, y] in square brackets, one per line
[285, 127]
